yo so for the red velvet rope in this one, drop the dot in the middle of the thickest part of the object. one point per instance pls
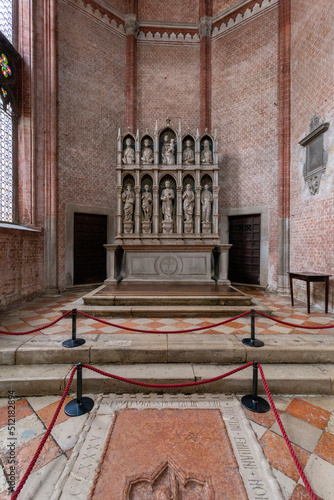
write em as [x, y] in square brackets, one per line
[46, 435]
[287, 440]
[164, 331]
[37, 329]
[294, 325]
[166, 386]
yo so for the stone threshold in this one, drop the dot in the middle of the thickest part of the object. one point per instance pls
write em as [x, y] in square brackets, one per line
[38, 380]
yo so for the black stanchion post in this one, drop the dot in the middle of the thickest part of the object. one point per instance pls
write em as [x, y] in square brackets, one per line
[80, 405]
[253, 402]
[73, 342]
[252, 341]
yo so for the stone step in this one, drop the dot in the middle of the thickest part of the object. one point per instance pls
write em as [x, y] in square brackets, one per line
[167, 348]
[38, 380]
[136, 300]
[164, 311]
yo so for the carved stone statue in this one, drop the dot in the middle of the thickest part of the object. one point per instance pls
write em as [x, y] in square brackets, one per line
[188, 203]
[147, 153]
[206, 154]
[165, 146]
[128, 198]
[129, 153]
[206, 200]
[146, 203]
[167, 197]
[188, 156]
[169, 158]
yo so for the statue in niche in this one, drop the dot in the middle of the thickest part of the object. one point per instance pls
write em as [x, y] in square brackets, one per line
[165, 146]
[206, 200]
[129, 153]
[188, 156]
[128, 198]
[167, 197]
[188, 203]
[169, 158]
[147, 153]
[206, 154]
[146, 203]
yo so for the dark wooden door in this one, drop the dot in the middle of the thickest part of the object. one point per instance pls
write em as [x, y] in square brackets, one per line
[90, 234]
[244, 255]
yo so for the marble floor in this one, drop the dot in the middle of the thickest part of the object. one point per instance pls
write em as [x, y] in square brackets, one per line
[80, 453]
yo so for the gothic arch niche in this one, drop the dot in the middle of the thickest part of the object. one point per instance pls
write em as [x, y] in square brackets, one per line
[188, 205]
[128, 156]
[146, 211]
[206, 150]
[167, 203]
[146, 150]
[167, 143]
[206, 203]
[128, 199]
[188, 150]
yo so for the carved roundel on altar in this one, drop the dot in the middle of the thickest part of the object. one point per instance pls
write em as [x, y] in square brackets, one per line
[168, 265]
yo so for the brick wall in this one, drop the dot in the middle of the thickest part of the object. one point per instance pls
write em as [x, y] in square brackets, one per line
[168, 84]
[312, 83]
[120, 5]
[221, 5]
[91, 107]
[168, 10]
[245, 114]
[21, 265]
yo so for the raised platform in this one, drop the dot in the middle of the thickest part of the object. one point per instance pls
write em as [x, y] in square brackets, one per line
[166, 300]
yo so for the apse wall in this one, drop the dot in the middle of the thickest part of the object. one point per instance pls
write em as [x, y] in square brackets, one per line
[91, 89]
[168, 10]
[312, 83]
[245, 114]
[168, 84]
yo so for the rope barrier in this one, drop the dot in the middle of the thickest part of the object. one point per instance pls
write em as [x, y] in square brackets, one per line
[162, 386]
[37, 329]
[292, 324]
[166, 386]
[287, 440]
[46, 435]
[197, 329]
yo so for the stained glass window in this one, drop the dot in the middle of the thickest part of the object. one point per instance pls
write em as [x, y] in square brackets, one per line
[6, 162]
[6, 19]
[7, 123]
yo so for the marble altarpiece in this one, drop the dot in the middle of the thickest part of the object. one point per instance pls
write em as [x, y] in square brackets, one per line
[167, 208]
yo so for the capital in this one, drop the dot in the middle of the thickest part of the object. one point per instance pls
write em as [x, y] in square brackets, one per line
[205, 27]
[131, 24]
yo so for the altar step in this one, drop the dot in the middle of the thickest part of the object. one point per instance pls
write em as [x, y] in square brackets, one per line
[166, 300]
[300, 364]
[39, 380]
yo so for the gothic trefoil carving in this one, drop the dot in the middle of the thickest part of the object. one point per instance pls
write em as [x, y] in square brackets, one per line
[169, 482]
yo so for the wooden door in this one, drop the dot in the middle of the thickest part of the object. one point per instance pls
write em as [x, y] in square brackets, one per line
[90, 234]
[244, 255]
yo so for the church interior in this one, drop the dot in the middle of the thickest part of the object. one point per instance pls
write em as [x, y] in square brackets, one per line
[167, 166]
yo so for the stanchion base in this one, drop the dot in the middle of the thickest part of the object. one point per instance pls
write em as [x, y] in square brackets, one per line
[72, 409]
[73, 343]
[253, 343]
[259, 406]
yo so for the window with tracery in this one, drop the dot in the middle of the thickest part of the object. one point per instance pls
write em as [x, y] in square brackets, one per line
[9, 80]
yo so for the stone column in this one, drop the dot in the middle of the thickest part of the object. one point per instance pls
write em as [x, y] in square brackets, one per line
[215, 209]
[179, 216]
[223, 264]
[137, 209]
[111, 264]
[155, 209]
[131, 30]
[284, 110]
[119, 213]
[205, 29]
[198, 210]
